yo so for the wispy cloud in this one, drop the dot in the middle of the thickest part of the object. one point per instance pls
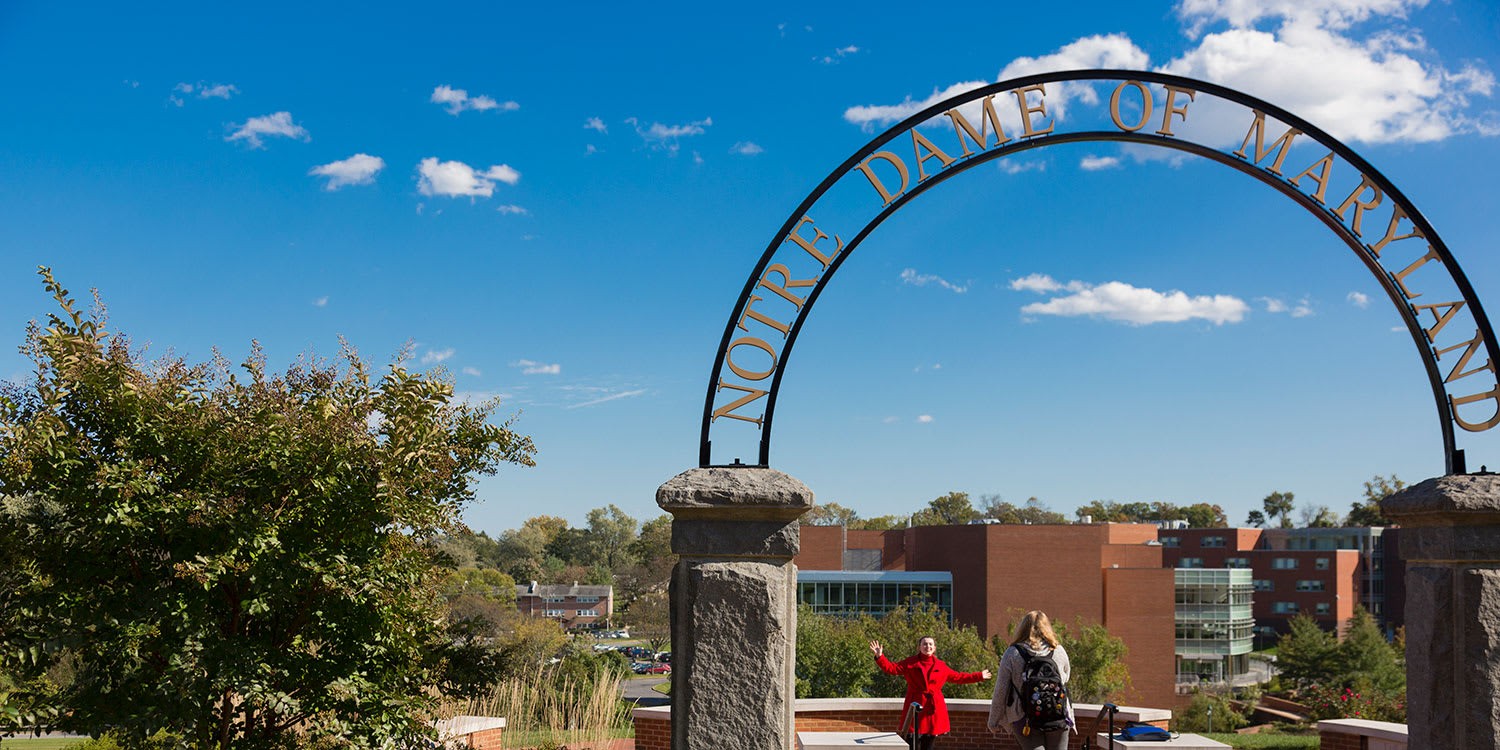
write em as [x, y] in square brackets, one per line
[512, 209]
[201, 90]
[1121, 302]
[910, 276]
[1042, 283]
[1303, 308]
[1093, 163]
[472, 371]
[321, 301]
[1011, 166]
[891, 420]
[276, 124]
[1272, 305]
[665, 137]
[746, 148]
[925, 419]
[838, 55]
[1358, 299]
[458, 100]
[359, 169]
[528, 367]
[434, 356]
[595, 123]
[604, 399]
[455, 178]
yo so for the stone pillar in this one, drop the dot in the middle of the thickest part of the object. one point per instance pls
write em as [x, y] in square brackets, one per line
[1450, 537]
[734, 606]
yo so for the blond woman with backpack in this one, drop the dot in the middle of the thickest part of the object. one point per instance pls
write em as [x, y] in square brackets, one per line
[1031, 699]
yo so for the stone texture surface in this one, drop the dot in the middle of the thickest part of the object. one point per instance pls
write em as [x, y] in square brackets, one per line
[1429, 656]
[1471, 543]
[735, 538]
[740, 492]
[1480, 659]
[733, 639]
[1463, 493]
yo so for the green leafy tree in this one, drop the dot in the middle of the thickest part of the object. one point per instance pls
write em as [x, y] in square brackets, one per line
[1365, 659]
[1097, 659]
[486, 583]
[830, 514]
[1033, 511]
[1317, 517]
[952, 508]
[1196, 717]
[834, 661]
[1109, 511]
[611, 533]
[1204, 516]
[1367, 512]
[230, 555]
[1256, 519]
[882, 523]
[1279, 504]
[1307, 654]
[650, 617]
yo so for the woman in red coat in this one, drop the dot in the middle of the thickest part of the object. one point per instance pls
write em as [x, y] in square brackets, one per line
[925, 675]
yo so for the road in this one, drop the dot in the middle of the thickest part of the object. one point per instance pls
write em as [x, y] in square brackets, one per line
[641, 693]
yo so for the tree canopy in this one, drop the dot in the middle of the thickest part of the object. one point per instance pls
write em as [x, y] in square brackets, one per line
[229, 554]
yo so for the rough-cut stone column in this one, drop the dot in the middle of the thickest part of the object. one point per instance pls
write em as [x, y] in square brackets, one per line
[1450, 537]
[734, 606]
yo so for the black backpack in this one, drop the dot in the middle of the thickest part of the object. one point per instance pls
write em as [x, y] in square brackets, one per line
[1044, 699]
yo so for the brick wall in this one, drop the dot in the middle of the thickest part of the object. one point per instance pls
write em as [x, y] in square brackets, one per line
[488, 739]
[967, 719]
[1339, 741]
[1360, 734]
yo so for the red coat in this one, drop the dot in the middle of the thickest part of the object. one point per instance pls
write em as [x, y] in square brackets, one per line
[924, 685]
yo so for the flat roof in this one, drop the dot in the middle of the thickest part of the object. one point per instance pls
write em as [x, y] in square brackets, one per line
[874, 576]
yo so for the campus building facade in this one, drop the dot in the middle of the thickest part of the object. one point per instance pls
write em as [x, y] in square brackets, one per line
[573, 605]
[1106, 573]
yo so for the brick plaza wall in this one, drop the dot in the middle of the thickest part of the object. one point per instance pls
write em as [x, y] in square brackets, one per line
[487, 739]
[967, 717]
[1358, 734]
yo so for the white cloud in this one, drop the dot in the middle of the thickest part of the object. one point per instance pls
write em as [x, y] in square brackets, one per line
[1303, 309]
[697, 158]
[910, 276]
[1122, 302]
[595, 123]
[529, 367]
[1358, 299]
[1369, 89]
[1042, 283]
[512, 209]
[472, 371]
[359, 169]
[891, 420]
[458, 100]
[1273, 305]
[746, 148]
[837, 55]
[433, 356]
[321, 301]
[455, 178]
[1010, 166]
[611, 397]
[925, 418]
[665, 137]
[203, 91]
[1094, 163]
[274, 124]
[1099, 51]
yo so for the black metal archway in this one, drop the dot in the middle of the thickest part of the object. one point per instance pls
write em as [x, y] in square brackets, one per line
[737, 397]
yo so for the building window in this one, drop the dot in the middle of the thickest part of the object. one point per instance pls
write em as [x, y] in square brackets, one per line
[555, 600]
[1321, 608]
[1262, 584]
[1190, 562]
[1171, 541]
[554, 613]
[1309, 585]
[588, 600]
[1322, 563]
[1284, 608]
[1284, 563]
[1236, 562]
[1212, 541]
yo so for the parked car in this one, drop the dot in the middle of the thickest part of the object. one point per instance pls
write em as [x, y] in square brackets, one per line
[659, 669]
[638, 652]
[640, 667]
[664, 657]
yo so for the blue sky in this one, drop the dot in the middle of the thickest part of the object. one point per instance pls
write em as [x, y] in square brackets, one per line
[560, 206]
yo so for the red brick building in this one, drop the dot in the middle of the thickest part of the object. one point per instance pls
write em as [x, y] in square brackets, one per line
[1105, 573]
[1321, 573]
[576, 606]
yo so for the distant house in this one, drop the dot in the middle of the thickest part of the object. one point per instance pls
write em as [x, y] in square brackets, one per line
[575, 606]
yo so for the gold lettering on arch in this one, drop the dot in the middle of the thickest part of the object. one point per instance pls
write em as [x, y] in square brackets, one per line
[1282, 144]
[1146, 105]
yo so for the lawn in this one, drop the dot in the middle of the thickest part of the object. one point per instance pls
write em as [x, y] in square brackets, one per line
[1265, 741]
[37, 744]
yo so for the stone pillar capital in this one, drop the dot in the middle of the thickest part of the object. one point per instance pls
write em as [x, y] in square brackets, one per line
[735, 493]
[1458, 500]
